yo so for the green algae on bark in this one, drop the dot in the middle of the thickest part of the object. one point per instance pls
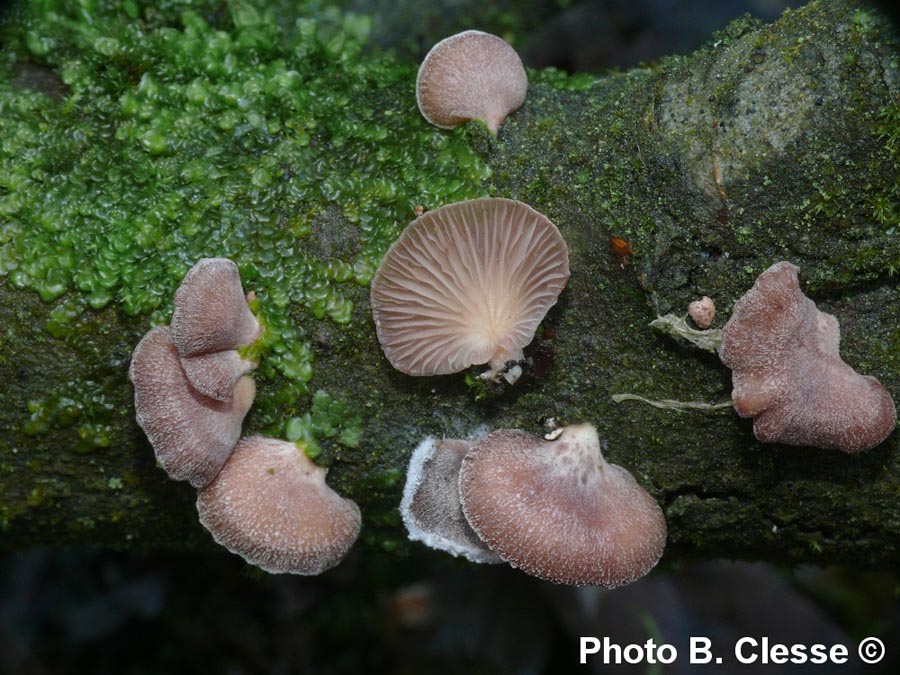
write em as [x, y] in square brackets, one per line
[302, 156]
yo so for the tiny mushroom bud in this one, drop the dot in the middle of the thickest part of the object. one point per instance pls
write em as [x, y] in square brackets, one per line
[430, 507]
[467, 284]
[557, 510]
[191, 434]
[470, 75]
[271, 506]
[212, 316]
[788, 374]
[702, 312]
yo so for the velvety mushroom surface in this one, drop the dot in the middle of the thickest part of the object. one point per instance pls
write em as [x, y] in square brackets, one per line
[558, 510]
[191, 434]
[467, 284]
[788, 374]
[431, 508]
[470, 75]
[211, 321]
[216, 374]
[270, 505]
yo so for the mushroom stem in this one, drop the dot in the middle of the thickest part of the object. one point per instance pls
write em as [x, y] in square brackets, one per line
[499, 367]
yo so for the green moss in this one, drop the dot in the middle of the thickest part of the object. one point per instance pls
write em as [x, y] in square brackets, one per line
[327, 419]
[83, 404]
[886, 205]
[559, 79]
[182, 136]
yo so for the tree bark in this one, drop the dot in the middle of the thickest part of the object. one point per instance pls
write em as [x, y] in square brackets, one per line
[771, 142]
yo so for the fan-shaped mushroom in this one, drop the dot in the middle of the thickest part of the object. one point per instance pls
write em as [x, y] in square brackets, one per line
[271, 506]
[216, 374]
[466, 284]
[470, 75]
[788, 374]
[558, 510]
[191, 434]
[430, 507]
[211, 320]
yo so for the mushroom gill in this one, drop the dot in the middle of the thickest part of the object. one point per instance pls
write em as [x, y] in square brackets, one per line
[468, 284]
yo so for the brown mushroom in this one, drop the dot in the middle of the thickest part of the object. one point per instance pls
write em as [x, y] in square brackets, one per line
[191, 434]
[467, 284]
[271, 506]
[430, 507]
[557, 510]
[788, 374]
[470, 75]
[211, 317]
[216, 374]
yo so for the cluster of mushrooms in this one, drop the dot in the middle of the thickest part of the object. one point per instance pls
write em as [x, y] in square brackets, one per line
[468, 284]
[261, 498]
[551, 506]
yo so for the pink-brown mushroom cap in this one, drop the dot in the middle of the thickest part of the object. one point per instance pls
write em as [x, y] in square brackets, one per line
[788, 374]
[558, 510]
[216, 374]
[470, 75]
[467, 284]
[191, 434]
[702, 312]
[271, 506]
[211, 312]
[431, 508]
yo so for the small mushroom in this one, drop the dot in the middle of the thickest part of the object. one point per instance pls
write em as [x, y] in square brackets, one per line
[788, 374]
[470, 75]
[212, 316]
[271, 506]
[430, 507]
[467, 284]
[702, 312]
[557, 510]
[191, 434]
[215, 374]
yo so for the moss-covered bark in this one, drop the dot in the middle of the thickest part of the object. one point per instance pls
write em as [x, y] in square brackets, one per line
[773, 142]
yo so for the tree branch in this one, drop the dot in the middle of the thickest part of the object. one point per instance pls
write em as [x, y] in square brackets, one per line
[772, 142]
